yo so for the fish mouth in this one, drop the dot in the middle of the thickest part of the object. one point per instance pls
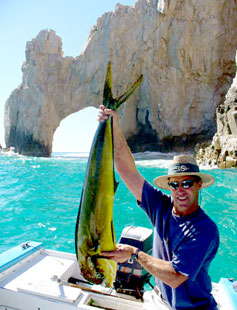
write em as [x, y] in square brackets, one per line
[91, 272]
[99, 270]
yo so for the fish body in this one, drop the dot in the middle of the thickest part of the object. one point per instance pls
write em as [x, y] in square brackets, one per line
[94, 228]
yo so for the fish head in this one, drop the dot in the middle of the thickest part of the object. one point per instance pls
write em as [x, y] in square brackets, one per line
[98, 270]
[94, 268]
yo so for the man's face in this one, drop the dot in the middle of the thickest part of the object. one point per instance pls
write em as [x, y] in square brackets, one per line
[185, 199]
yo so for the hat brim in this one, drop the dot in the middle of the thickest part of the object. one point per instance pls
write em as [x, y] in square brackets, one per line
[163, 180]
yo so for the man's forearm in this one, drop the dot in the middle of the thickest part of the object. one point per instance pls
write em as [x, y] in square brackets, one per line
[161, 269]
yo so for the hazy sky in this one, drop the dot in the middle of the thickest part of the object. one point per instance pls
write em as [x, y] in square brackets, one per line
[21, 21]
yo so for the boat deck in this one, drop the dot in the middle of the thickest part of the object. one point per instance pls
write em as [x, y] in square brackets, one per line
[40, 281]
[33, 278]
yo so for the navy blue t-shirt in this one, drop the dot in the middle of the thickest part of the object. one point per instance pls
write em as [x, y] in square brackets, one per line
[189, 243]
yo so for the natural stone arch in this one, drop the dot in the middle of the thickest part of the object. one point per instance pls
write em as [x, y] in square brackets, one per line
[53, 87]
[186, 57]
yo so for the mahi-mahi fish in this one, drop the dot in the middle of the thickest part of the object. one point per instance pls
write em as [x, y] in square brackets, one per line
[94, 228]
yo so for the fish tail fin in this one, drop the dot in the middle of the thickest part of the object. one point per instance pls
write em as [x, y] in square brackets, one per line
[124, 97]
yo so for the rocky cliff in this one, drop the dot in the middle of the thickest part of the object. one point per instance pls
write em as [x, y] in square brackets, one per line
[184, 49]
[222, 150]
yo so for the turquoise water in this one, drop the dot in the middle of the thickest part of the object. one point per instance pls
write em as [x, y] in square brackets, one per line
[39, 200]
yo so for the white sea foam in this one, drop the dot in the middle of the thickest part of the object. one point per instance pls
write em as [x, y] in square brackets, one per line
[154, 163]
[153, 155]
[144, 159]
[8, 153]
[163, 160]
[70, 154]
[208, 167]
[153, 159]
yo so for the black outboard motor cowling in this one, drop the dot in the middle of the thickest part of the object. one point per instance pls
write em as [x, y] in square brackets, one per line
[131, 276]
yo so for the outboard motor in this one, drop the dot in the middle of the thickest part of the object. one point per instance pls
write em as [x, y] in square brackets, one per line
[131, 276]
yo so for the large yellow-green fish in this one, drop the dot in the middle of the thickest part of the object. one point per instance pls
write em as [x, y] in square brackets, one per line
[94, 229]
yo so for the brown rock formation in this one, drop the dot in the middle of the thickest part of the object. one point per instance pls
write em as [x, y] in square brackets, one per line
[184, 49]
[223, 149]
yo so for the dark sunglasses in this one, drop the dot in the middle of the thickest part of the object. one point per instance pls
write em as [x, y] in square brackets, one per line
[185, 184]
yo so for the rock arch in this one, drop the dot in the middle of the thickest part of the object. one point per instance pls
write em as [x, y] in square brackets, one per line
[186, 57]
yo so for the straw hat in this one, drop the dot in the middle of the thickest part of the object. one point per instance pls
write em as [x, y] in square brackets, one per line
[180, 166]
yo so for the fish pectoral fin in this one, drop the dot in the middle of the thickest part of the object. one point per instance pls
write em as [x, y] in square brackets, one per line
[108, 268]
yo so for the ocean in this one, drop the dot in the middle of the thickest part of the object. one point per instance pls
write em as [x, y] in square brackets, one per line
[39, 200]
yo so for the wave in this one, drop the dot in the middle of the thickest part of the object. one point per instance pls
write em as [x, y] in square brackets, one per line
[153, 155]
[143, 159]
[8, 153]
[155, 159]
[163, 160]
[70, 155]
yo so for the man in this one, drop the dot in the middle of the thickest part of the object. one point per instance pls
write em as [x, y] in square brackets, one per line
[185, 238]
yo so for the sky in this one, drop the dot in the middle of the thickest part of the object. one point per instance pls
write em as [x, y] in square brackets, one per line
[21, 21]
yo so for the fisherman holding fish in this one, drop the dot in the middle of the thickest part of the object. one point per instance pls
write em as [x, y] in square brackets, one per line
[185, 238]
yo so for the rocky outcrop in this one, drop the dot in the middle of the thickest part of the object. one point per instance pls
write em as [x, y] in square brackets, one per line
[184, 49]
[222, 151]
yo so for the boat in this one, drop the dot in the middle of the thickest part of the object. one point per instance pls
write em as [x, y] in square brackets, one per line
[35, 278]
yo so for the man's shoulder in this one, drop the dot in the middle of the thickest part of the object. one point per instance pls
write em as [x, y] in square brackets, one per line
[156, 194]
[206, 224]
[154, 202]
[205, 217]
